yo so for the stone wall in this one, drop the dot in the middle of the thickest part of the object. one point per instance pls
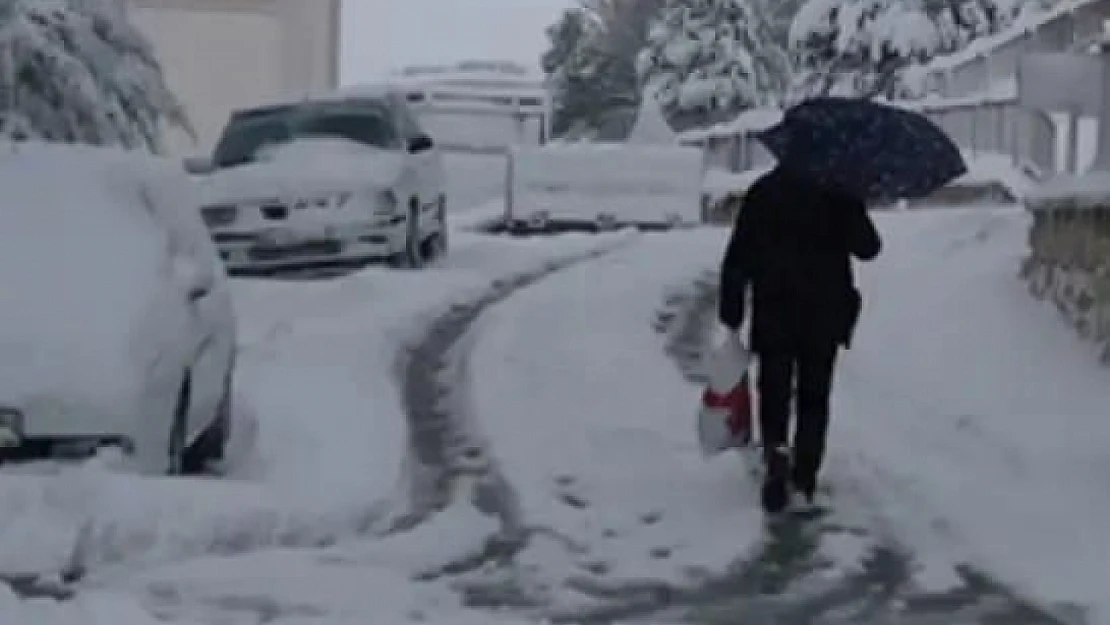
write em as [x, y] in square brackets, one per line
[1069, 265]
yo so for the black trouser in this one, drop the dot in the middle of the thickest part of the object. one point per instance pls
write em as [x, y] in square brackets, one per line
[806, 376]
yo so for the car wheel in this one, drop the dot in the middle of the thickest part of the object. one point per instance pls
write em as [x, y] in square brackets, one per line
[210, 447]
[435, 246]
[411, 257]
[176, 452]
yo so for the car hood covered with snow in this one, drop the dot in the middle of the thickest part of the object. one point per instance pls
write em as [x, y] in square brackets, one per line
[305, 169]
[80, 269]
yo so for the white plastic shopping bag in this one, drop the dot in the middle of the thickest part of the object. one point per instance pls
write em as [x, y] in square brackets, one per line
[727, 364]
[724, 414]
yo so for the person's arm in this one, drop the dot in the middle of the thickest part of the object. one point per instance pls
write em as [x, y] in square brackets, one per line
[736, 266]
[863, 237]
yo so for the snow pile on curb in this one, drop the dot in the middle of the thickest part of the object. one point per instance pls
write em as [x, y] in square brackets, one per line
[1085, 191]
[719, 183]
[984, 169]
[983, 430]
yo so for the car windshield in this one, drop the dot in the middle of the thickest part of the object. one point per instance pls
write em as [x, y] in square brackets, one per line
[245, 138]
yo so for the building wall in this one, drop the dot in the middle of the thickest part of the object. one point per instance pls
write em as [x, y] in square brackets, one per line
[1003, 60]
[311, 47]
[222, 55]
[1089, 19]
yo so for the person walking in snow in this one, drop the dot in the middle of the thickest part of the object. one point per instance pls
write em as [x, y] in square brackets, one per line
[792, 243]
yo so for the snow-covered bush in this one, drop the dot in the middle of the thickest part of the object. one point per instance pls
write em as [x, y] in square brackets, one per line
[78, 71]
[709, 59]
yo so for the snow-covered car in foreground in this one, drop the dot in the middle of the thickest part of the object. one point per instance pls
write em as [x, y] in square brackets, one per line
[117, 327]
[336, 180]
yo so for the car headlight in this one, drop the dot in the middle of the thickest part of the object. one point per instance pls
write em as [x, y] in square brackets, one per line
[385, 202]
[219, 215]
[11, 427]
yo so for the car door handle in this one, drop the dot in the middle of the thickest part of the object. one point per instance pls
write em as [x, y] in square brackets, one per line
[198, 293]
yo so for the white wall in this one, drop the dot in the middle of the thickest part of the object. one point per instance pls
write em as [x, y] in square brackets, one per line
[311, 47]
[219, 56]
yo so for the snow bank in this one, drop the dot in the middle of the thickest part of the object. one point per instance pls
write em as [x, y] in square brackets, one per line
[358, 582]
[996, 168]
[94, 608]
[634, 183]
[473, 180]
[973, 416]
[1085, 191]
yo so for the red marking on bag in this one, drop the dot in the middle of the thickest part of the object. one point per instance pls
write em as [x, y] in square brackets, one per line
[738, 403]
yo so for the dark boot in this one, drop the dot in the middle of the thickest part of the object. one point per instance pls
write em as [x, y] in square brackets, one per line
[776, 488]
[804, 483]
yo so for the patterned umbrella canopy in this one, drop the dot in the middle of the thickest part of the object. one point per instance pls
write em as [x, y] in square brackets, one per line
[875, 151]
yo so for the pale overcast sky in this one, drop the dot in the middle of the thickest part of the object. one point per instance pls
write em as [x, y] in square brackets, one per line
[380, 35]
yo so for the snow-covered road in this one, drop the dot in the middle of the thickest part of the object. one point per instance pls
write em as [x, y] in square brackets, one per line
[968, 421]
[966, 458]
[593, 428]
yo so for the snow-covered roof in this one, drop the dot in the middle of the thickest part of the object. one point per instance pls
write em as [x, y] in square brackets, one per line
[1024, 25]
[1002, 90]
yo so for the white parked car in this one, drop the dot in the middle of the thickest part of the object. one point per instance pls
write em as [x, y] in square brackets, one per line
[117, 328]
[341, 180]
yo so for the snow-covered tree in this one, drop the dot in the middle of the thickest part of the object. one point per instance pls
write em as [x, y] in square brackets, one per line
[570, 66]
[709, 59]
[78, 71]
[591, 62]
[873, 47]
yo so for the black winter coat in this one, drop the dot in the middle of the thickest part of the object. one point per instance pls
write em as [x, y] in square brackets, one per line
[791, 243]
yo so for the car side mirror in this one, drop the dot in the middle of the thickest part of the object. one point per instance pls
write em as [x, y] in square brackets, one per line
[199, 165]
[420, 143]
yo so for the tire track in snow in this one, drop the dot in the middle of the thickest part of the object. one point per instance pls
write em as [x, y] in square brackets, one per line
[449, 460]
[783, 583]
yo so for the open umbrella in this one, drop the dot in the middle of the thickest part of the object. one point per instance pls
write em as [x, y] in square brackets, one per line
[875, 151]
